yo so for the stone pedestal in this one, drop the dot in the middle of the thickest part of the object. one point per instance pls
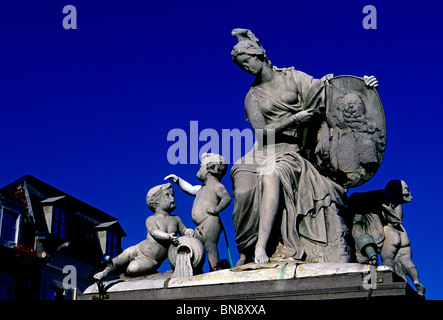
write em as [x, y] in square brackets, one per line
[311, 281]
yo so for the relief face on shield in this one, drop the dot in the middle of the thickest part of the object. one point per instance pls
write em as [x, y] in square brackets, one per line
[356, 140]
[352, 140]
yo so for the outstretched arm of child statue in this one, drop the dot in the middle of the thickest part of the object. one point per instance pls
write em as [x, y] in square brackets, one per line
[183, 184]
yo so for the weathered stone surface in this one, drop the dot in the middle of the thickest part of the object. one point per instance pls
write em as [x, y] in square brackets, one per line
[246, 273]
[324, 269]
[155, 281]
[314, 281]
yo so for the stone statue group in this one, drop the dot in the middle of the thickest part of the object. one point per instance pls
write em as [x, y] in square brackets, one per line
[320, 138]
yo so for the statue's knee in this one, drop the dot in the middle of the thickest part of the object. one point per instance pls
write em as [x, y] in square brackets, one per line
[242, 194]
[271, 180]
[210, 246]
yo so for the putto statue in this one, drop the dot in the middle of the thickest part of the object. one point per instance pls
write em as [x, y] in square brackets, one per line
[144, 258]
[293, 210]
[211, 198]
[377, 228]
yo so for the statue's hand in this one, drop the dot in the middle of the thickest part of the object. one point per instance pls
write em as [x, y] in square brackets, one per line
[189, 232]
[174, 178]
[371, 81]
[212, 211]
[174, 239]
[304, 116]
[99, 276]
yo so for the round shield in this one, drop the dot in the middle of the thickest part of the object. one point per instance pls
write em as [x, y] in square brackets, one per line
[351, 142]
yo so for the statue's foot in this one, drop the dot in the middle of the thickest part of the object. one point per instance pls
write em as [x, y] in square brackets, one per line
[244, 259]
[420, 289]
[240, 262]
[261, 256]
[100, 275]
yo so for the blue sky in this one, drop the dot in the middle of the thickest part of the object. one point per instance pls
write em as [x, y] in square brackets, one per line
[89, 110]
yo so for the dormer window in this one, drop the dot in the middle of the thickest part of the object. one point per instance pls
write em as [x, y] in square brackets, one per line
[9, 227]
[58, 223]
[55, 216]
[109, 235]
[10, 222]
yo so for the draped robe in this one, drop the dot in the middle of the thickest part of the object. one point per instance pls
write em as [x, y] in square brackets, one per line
[306, 193]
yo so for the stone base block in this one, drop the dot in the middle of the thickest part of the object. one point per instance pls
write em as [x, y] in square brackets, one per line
[282, 280]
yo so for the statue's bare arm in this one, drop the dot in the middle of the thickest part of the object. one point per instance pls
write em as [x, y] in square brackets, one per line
[183, 184]
[225, 200]
[182, 228]
[158, 234]
[258, 121]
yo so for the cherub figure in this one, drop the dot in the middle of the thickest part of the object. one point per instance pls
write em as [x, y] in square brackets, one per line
[211, 198]
[146, 256]
[379, 214]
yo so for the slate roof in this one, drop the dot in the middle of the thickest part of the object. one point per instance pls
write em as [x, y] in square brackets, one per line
[82, 219]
